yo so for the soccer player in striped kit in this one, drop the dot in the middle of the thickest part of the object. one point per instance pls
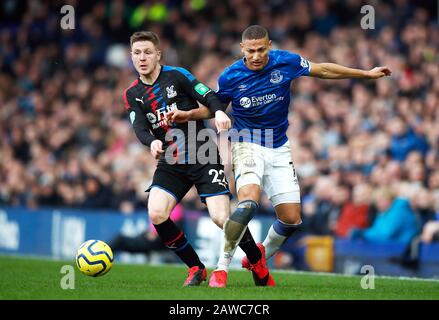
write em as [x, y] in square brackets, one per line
[162, 94]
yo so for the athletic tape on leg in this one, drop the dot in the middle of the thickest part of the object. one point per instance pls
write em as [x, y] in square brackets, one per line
[233, 232]
[285, 229]
[244, 212]
[234, 227]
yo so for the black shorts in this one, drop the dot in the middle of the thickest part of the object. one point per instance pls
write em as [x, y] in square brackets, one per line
[177, 179]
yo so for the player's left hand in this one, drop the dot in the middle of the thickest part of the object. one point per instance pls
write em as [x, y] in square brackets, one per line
[379, 72]
[222, 121]
[178, 116]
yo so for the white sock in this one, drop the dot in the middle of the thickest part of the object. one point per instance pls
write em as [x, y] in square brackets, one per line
[233, 232]
[225, 260]
[273, 242]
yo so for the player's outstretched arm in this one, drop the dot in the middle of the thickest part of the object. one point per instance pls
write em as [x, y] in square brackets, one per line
[336, 71]
[205, 96]
[180, 116]
[222, 121]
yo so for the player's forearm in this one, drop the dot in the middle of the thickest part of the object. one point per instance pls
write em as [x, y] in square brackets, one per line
[213, 103]
[336, 71]
[200, 113]
[144, 136]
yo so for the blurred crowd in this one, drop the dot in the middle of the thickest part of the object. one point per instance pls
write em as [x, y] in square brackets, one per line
[366, 152]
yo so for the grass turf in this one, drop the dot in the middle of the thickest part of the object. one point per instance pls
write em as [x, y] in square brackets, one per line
[29, 278]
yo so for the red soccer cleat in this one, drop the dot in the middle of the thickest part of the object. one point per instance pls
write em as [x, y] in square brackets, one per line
[218, 279]
[261, 274]
[245, 263]
[195, 277]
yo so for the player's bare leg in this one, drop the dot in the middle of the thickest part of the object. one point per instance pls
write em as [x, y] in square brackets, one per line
[288, 221]
[289, 213]
[249, 192]
[219, 209]
[160, 205]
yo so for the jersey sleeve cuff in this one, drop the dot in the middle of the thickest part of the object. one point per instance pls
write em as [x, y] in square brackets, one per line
[214, 104]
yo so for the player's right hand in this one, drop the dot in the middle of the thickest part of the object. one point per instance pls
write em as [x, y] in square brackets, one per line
[156, 148]
[379, 72]
[178, 116]
[222, 121]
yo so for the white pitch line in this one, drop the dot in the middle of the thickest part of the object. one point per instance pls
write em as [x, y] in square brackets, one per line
[330, 274]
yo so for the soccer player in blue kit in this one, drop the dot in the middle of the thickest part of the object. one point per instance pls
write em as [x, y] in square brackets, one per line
[258, 88]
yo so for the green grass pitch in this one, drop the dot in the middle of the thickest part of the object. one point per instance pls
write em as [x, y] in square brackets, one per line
[29, 278]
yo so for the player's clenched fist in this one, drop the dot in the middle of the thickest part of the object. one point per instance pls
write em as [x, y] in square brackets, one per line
[379, 72]
[178, 116]
[156, 148]
[222, 121]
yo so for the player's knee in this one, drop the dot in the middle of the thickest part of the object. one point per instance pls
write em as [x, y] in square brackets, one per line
[251, 189]
[247, 195]
[291, 217]
[219, 215]
[157, 215]
[219, 209]
[295, 220]
[287, 207]
[220, 220]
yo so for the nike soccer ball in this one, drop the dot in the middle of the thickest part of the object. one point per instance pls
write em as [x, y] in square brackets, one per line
[94, 258]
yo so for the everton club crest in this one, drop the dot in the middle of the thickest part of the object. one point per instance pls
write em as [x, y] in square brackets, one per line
[276, 76]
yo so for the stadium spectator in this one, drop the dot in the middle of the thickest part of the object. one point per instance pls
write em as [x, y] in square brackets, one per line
[355, 214]
[430, 233]
[395, 220]
[430, 230]
[404, 140]
[318, 206]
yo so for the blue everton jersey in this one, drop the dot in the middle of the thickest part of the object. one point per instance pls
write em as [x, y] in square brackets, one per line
[260, 99]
